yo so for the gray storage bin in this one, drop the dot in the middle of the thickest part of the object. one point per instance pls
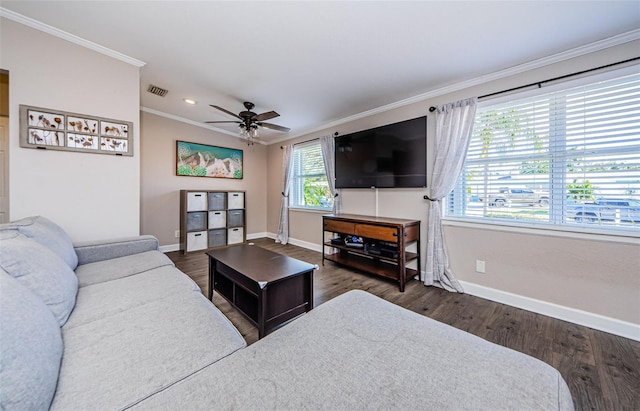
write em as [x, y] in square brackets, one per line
[217, 201]
[217, 238]
[197, 221]
[235, 218]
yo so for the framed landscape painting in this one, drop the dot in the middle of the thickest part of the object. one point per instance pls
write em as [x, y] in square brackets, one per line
[200, 160]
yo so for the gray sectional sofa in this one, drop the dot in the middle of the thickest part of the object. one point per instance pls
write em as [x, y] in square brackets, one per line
[114, 325]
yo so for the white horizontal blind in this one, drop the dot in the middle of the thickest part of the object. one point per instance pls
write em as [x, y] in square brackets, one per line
[568, 158]
[310, 187]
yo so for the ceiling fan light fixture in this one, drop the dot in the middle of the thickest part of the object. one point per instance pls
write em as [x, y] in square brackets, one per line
[249, 122]
[250, 133]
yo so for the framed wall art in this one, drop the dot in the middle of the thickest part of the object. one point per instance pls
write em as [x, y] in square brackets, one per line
[60, 130]
[201, 160]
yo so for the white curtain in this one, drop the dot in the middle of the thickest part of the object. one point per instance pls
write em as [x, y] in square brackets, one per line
[328, 145]
[287, 169]
[454, 123]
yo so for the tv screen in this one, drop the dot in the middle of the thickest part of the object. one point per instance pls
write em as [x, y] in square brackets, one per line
[390, 156]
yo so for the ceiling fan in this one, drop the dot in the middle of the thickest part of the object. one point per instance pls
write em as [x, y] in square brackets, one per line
[248, 121]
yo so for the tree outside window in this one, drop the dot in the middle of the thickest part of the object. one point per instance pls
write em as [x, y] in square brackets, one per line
[558, 159]
[310, 188]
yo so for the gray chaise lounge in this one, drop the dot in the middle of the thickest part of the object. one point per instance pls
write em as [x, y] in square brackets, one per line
[127, 330]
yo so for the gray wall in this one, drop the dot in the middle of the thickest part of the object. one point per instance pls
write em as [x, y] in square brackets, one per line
[582, 273]
[160, 186]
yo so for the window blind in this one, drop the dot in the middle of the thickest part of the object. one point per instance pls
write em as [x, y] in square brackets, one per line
[309, 186]
[571, 157]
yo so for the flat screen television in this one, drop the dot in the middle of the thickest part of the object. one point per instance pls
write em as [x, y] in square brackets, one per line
[390, 156]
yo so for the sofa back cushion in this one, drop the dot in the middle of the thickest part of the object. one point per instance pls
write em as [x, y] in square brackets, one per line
[50, 235]
[41, 271]
[31, 352]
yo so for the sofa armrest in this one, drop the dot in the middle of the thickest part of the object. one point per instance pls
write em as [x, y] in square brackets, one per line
[92, 251]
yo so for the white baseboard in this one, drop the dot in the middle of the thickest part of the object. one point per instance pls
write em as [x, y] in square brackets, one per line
[170, 247]
[256, 235]
[299, 243]
[573, 315]
[176, 247]
[306, 244]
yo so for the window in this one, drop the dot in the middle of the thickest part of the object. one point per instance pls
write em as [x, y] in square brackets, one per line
[309, 186]
[570, 158]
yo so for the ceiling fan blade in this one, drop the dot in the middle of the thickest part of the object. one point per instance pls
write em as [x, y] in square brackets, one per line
[274, 127]
[226, 111]
[237, 122]
[265, 116]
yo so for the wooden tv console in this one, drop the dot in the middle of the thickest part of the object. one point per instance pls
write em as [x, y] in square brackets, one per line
[383, 250]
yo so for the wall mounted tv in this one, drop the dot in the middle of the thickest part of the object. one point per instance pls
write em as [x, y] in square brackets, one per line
[390, 156]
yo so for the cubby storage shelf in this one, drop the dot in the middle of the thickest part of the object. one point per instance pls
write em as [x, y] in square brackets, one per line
[211, 219]
[389, 235]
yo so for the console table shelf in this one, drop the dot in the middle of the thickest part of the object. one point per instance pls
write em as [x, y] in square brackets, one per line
[378, 236]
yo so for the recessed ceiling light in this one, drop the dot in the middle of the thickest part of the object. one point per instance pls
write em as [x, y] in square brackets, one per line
[189, 101]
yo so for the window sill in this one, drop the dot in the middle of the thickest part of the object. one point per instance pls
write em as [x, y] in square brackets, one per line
[312, 210]
[566, 232]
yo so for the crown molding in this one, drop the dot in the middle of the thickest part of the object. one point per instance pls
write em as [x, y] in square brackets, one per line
[38, 25]
[542, 62]
[194, 123]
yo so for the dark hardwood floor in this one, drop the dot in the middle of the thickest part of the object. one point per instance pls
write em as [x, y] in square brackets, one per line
[601, 369]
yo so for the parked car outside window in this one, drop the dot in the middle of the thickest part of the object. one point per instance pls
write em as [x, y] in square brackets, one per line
[508, 196]
[606, 209]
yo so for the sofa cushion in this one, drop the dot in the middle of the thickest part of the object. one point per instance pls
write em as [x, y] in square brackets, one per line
[102, 300]
[31, 348]
[120, 359]
[50, 235]
[99, 250]
[358, 351]
[113, 269]
[41, 271]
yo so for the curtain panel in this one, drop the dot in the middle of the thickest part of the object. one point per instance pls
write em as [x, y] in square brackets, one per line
[454, 123]
[287, 170]
[328, 145]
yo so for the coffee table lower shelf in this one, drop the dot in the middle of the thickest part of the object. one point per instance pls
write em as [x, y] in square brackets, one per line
[248, 302]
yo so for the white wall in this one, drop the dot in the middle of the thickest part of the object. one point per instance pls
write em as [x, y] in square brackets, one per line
[91, 196]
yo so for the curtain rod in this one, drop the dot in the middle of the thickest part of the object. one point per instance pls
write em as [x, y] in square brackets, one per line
[540, 83]
[308, 141]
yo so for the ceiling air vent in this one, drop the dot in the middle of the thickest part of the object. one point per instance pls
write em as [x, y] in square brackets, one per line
[157, 90]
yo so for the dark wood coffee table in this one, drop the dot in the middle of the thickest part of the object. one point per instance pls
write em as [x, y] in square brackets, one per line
[268, 288]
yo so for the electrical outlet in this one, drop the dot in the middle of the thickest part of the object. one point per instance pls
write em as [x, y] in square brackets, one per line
[177, 234]
[480, 266]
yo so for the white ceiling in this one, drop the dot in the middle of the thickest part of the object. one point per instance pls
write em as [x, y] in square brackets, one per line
[317, 62]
